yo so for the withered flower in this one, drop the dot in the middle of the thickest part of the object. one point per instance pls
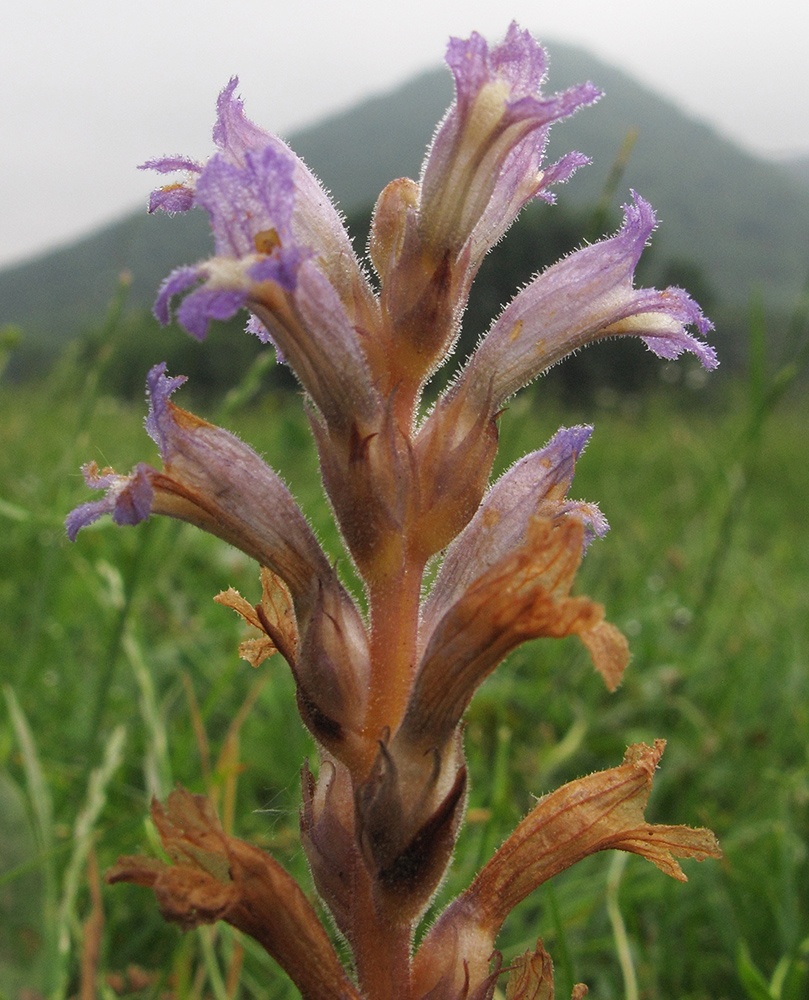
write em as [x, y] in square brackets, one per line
[216, 877]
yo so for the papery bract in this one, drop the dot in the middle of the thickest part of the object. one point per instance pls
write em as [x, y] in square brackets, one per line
[524, 595]
[216, 877]
[537, 484]
[602, 811]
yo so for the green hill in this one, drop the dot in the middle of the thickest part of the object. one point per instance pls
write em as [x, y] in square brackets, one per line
[797, 168]
[744, 222]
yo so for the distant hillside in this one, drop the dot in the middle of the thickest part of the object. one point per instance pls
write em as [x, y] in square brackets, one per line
[798, 170]
[358, 152]
[57, 295]
[744, 221]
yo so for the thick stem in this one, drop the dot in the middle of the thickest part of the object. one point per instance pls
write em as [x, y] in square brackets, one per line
[381, 944]
[394, 608]
[382, 955]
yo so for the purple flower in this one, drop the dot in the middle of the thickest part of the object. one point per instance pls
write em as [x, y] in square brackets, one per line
[484, 164]
[583, 298]
[215, 481]
[250, 205]
[536, 485]
[428, 240]
[282, 252]
[519, 552]
[257, 191]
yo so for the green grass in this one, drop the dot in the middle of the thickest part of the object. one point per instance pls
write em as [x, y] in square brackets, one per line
[115, 660]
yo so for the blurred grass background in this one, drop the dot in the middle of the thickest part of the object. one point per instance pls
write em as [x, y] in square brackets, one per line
[121, 677]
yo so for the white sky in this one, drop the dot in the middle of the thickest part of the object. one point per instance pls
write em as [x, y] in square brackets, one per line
[90, 88]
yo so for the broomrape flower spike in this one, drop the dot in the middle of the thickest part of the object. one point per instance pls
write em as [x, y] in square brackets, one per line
[384, 693]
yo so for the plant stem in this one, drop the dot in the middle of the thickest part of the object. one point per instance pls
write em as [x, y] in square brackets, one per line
[394, 607]
[382, 952]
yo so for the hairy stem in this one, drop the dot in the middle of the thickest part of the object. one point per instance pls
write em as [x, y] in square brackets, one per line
[382, 955]
[394, 607]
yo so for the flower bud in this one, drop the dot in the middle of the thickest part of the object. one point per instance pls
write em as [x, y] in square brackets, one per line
[331, 669]
[407, 815]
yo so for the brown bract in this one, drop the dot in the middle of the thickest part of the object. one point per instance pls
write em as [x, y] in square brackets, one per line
[274, 616]
[525, 595]
[216, 877]
[596, 813]
[532, 977]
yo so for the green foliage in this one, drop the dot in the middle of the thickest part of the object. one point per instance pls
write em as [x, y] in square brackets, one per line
[116, 638]
[788, 981]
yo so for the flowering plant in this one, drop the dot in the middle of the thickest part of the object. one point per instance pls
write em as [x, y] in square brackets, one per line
[384, 694]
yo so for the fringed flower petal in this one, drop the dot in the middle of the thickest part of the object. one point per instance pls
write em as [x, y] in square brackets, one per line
[128, 499]
[583, 298]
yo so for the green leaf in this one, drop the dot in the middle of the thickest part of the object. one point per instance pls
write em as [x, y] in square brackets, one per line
[754, 983]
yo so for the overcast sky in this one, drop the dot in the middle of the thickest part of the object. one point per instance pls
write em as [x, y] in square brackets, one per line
[90, 88]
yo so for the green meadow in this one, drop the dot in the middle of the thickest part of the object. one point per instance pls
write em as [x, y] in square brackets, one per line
[121, 678]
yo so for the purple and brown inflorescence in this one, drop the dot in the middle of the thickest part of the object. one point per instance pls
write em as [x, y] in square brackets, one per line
[384, 695]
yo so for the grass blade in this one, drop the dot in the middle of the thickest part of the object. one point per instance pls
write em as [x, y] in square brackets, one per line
[83, 834]
[42, 809]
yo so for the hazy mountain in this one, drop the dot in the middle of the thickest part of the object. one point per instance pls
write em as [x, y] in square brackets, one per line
[797, 169]
[744, 221]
